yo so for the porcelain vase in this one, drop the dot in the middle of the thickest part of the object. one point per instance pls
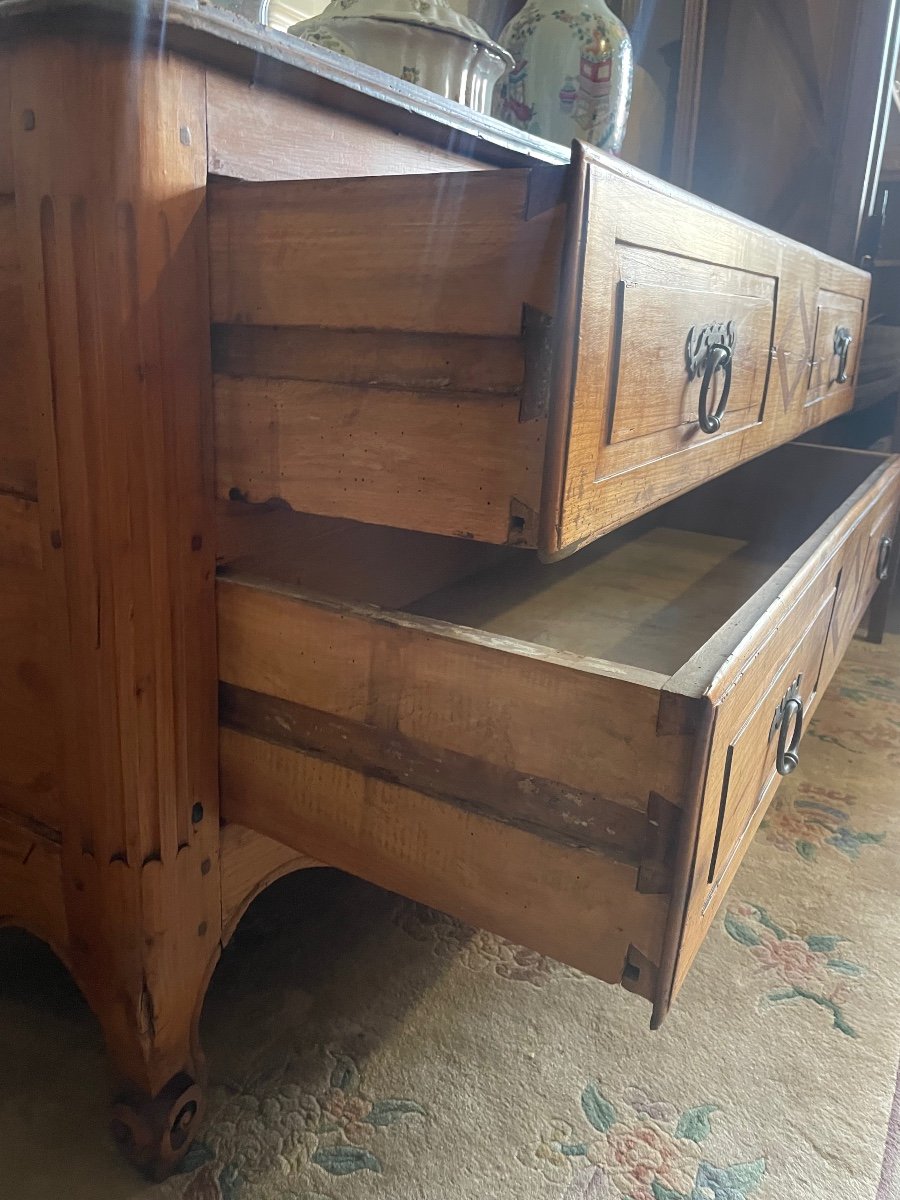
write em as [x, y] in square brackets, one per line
[572, 73]
[422, 41]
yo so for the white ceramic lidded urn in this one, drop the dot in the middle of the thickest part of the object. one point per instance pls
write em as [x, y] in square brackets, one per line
[422, 41]
[572, 73]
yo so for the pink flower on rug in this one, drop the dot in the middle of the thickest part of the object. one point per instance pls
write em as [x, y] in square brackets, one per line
[349, 1112]
[811, 968]
[792, 961]
[639, 1155]
[652, 1158]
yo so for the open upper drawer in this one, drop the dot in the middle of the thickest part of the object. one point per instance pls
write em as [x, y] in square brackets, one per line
[528, 356]
[574, 755]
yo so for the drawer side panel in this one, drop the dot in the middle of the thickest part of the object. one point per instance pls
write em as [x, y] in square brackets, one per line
[574, 904]
[521, 708]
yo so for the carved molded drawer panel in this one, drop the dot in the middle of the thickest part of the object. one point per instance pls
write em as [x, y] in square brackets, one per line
[839, 326]
[690, 342]
[766, 744]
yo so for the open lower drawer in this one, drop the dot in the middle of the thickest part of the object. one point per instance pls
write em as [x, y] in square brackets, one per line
[573, 755]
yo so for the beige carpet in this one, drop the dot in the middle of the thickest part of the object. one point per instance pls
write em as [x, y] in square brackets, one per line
[361, 1046]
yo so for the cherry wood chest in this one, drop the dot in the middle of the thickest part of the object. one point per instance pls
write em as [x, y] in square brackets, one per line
[386, 489]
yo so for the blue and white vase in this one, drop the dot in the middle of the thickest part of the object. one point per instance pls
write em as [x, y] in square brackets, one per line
[572, 73]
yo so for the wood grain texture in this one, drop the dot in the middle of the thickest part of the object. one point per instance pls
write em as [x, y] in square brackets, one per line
[648, 596]
[31, 887]
[519, 706]
[594, 497]
[372, 564]
[733, 651]
[834, 311]
[6, 162]
[619, 271]
[444, 253]
[643, 265]
[30, 731]
[556, 812]
[566, 902]
[258, 133]
[18, 471]
[109, 185]
[248, 863]
[806, 630]
[441, 363]
[661, 299]
[443, 463]
[325, 700]
[749, 756]
[20, 533]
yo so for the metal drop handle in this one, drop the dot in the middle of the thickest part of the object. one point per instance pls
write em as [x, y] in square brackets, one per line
[843, 340]
[708, 350]
[718, 358]
[883, 562]
[786, 757]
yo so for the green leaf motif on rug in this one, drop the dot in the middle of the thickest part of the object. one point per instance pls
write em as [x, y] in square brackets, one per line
[641, 1148]
[740, 932]
[663, 1193]
[805, 967]
[340, 1129]
[345, 1075]
[846, 968]
[597, 1108]
[810, 817]
[387, 1112]
[730, 1183]
[230, 1182]
[823, 943]
[346, 1160]
[694, 1124]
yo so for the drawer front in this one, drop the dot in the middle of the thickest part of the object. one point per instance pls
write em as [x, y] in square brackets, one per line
[752, 758]
[651, 286]
[867, 556]
[669, 309]
[741, 776]
[784, 668]
[838, 333]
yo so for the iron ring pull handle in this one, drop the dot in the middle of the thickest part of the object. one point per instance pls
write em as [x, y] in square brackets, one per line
[883, 562]
[717, 357]
[786, 757]
[843, 339]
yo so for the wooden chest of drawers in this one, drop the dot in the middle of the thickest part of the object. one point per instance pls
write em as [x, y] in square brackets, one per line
[377, 376]
[523, 357]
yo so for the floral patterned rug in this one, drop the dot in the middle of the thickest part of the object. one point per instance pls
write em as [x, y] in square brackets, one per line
[366, 1048]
